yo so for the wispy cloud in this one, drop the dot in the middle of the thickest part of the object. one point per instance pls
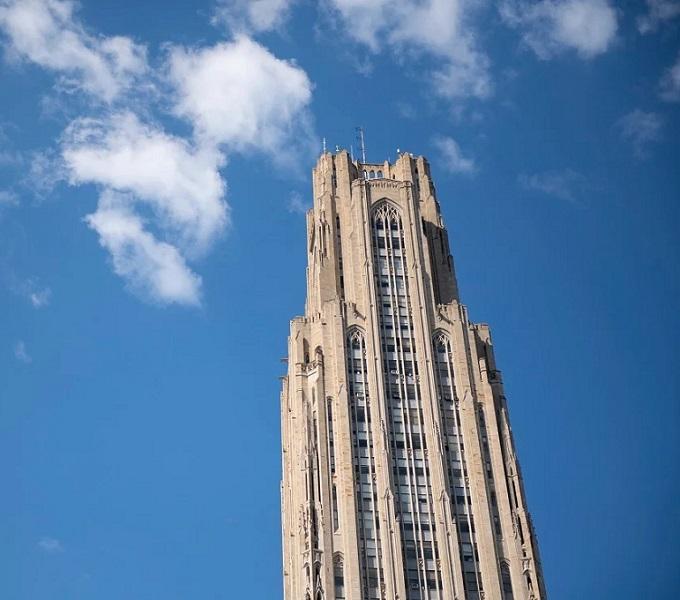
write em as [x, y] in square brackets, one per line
[296, 204]
[153, 269]
[40, 298]
[440, 29]
[640, 129]
[50, 545]
[37, 295]
[550, 27]
[47, 33]
[451, 156]
[21, 354]
[670, 83]
[658, 12]
[177, 180]
[564, 185]
[46, 171]
[8, 198]
[251, 15]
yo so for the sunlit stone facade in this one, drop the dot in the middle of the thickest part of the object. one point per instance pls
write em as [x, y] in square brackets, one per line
[400, 479]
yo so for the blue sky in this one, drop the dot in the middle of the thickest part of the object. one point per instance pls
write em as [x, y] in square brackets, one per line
[154, 168]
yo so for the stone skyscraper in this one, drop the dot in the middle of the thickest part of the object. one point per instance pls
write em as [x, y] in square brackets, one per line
[400, 479]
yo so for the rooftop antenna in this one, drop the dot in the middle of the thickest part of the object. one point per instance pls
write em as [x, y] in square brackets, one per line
[362, 143]
[324, 145]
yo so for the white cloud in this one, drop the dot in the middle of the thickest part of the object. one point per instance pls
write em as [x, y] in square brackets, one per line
[20, 352]
[179, 185]
[161, 196]
[564, 184]
[154, 270]
[640, 128]
[241, 95]
[452, 157]
[179, 182]
[50, 545]
[552, 26]
[442, 29]
[47, 33]
[658, 11]
[670, 83]
[252, 15]
[296, 204]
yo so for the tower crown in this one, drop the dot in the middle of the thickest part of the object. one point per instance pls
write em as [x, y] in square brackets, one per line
[399, 474]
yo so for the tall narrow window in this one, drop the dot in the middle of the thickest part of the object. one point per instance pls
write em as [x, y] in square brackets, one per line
[506, 582]
[336, 516]
[339, 577]
[410, 463]
[459, 489]
[331, 436]
[488, 473]
[365, 486]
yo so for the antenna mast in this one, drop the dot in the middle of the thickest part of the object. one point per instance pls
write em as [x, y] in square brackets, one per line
[362, 143]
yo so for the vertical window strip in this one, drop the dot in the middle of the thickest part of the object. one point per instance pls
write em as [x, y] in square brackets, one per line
[495, 513]
[339, 578]
[400, 373]
[459, 488]
[331, 436]
[372, 576]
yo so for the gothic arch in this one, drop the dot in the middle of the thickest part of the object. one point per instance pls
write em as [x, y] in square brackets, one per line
[441, 338]
[356, 334]
[386, 209]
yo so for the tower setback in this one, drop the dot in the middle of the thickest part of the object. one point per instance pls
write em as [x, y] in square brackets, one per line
[400, 479]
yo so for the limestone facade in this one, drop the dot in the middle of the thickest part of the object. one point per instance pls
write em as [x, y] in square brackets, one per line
[400, 479]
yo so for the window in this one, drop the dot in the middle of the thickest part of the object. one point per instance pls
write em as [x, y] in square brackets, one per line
[339, 577]
[506, 582]
[364, 466]
[410, 466]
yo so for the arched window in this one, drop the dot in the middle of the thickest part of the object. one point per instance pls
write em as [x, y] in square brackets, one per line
[371, 174]
[339, 577]
[405, 423]
[380, 174]
[456, 464]
[506, 582]
[363, 459]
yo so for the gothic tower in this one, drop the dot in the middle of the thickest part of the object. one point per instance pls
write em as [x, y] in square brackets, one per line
[400, 479]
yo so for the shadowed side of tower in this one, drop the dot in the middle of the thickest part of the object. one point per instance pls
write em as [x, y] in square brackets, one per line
[400, 479]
